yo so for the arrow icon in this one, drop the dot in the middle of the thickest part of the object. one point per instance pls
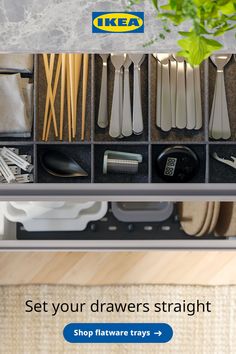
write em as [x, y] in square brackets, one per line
[159, 333]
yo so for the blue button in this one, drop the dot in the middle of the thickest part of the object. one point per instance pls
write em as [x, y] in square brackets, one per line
[118, 333]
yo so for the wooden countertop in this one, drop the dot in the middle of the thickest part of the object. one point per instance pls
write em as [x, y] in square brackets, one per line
[175, 267]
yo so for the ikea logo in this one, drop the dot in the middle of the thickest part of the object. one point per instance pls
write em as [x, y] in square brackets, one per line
[118, 22]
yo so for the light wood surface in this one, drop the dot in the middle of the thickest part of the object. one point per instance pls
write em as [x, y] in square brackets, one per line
[185, 267]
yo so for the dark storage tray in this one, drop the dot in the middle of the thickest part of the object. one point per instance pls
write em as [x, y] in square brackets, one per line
[109, 228]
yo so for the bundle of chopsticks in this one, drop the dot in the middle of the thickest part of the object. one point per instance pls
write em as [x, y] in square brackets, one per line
[68, 70]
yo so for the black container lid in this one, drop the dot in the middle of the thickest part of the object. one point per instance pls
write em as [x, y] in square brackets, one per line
[177, 164]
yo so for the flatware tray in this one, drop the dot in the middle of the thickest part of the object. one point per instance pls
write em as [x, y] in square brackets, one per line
[212, 177]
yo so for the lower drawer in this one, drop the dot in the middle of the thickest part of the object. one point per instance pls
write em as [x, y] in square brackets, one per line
[109, 233]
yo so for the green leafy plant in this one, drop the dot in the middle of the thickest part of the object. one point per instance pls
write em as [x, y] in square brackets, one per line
[206, 20]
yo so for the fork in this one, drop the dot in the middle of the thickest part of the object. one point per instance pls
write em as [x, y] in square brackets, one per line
[166, 117]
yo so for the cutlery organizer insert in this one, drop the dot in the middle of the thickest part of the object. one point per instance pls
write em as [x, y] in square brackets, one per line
[177, 135]
[230, 87]
[101, 134]
[15, 140]
[89, 153]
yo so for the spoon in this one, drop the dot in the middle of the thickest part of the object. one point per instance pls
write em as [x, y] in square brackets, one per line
[102, 112]
[158, 94]
[190, 98]
[173, 83]
[166, 118]
[137, 59]
[181, 112]
[198, 98]
[127, 117]
[61, 165]
[118, 61]
[219, 120]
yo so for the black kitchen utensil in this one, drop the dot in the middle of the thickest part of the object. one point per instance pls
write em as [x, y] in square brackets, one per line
[61, 165]
[177, 164]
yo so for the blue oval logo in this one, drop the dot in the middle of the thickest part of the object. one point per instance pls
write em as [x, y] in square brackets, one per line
[118, 22]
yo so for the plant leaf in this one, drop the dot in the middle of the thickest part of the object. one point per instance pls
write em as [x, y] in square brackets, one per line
[212, 44]
[166, 7]
[204, 20]
[224, 29]
[185, 34]
[197, 48]
[174, 18]
[155, 3]
[228, 9]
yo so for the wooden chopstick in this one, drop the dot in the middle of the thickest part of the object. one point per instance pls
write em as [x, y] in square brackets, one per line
[78, 62]
[68, 90]
[49, 75]
[63, 82]
[84, 93]
[47, 96]
[58, 69]
[72, 95]
[69, 65]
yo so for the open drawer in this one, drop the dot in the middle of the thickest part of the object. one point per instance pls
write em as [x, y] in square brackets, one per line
[160, 227]
[212, 179]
